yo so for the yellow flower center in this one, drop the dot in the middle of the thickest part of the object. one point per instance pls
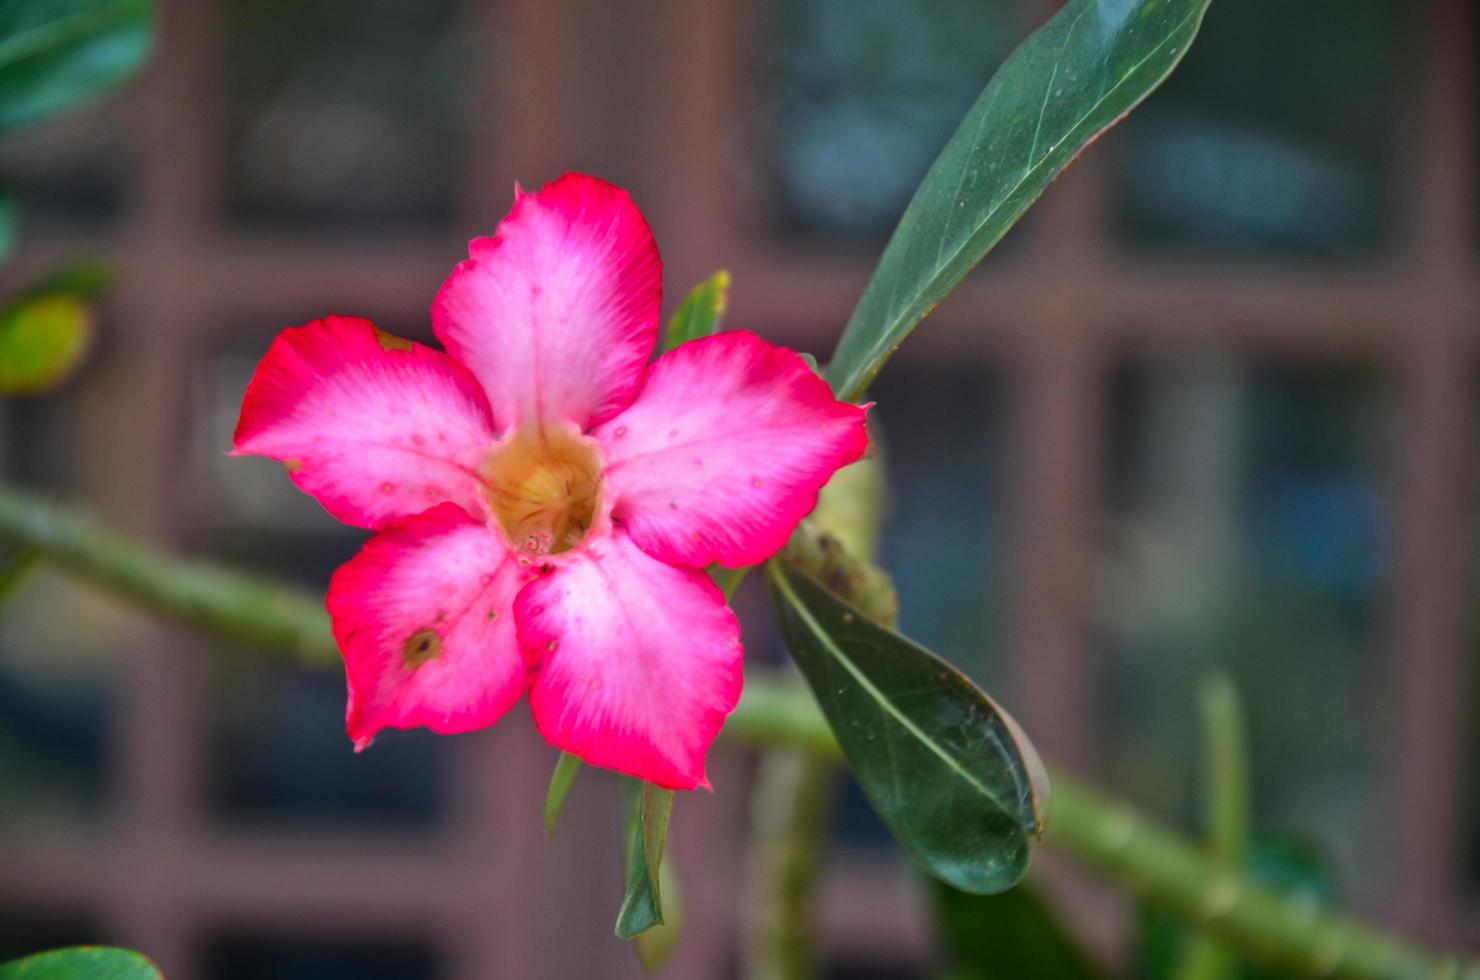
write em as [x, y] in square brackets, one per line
[544, 487]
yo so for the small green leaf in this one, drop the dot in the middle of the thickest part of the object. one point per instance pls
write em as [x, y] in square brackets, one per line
[82, 963]
[88, 279]
[656, 945]
[561, 780]
[1008, 936]
[728, 579]
[947, 770]
[57, 53]
[645, 809]
[1065, 85]
[43, 339]
[701, 312]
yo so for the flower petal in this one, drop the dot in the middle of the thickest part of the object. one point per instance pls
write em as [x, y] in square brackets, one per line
[424, 618]
[724, 450]
[376, 427]
[637, 662]
[557, 313]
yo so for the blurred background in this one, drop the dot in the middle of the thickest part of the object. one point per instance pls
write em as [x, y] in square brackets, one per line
[1211, 404]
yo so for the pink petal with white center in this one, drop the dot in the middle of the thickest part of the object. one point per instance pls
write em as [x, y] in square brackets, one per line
[637, 662]
[724, 450]
[375, 427]
[424, 617]
[557, 313]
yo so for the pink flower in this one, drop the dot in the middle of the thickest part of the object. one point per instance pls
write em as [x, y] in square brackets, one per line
[546, 498]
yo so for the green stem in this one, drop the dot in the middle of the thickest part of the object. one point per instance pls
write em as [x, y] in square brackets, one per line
[793, 801]
[1101, 833]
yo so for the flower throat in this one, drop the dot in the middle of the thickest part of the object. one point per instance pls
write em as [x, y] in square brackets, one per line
[543, 486]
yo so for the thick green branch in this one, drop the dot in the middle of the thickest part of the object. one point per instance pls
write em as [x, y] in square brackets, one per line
[1101, 833]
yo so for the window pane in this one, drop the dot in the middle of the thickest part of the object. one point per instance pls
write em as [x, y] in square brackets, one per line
[1278, 132]
[864, 93]
[1248, 534]
[244, 957]
[345, 113]
[277, 741]
[59, 660]
[67, 171]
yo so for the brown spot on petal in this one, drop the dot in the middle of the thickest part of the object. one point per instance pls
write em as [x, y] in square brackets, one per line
[293, 465]
[389, 341]
[422, 646]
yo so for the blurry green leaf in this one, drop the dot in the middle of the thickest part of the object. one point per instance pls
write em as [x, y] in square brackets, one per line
[13, 571]
[1008, 936]
[82, 963]
[8, 224]
[1067, 83]
[561, 780]
[645, 809]
[1295, 867]
[947, 770]
[88, 279]
[42, 341]
[56, 53]
[728, 579]
[701, 312]
[656, 945]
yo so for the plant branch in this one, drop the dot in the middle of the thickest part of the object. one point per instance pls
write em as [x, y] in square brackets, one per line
[1104, 834]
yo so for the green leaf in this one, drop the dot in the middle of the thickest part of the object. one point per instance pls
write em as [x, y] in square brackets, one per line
[561, 780]
[82, 963]
[1009, 936]
[947, 770]
[646, 808]
[1067, 83]
[13, 571]
[701, 312]
[656, 945]
[43, 340]
[9, 222]
[89, 279]
[57, 53]
[1293, 866]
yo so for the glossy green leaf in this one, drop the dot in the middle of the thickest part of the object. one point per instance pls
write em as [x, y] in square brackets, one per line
[57, 53]
[1009, 936]
[82, 963]
[561, 780]
[701, 312]
[1067, 83]
[645, 810]
[43, 340]
[947, 770]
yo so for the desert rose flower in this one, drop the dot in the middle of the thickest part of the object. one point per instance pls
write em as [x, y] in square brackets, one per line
[545, 498]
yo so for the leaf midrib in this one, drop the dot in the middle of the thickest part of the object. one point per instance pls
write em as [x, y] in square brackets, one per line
[779, 577]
